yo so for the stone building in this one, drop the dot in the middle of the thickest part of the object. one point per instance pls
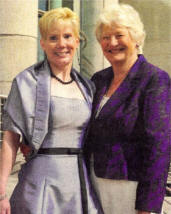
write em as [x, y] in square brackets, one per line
[19, 45]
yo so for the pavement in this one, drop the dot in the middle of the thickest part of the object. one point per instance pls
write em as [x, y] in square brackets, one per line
[20, 160]
[167, 200]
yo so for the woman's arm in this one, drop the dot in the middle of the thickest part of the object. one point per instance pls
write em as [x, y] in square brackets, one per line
[7, 159]
[143, 212]
[155, 146]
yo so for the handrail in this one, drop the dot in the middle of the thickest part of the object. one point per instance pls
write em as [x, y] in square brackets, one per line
[3, 96]
[2, 101]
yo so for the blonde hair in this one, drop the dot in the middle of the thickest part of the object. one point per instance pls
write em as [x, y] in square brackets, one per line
[53, 16]
[126, 16]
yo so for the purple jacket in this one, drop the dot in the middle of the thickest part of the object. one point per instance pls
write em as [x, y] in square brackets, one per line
[130, 139]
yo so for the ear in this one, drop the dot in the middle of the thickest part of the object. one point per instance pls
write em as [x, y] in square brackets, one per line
[42, 44]
[77, 42]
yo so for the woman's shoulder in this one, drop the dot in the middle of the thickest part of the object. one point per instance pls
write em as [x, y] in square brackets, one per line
[85, 81]
[155, 74]
[26, 80]
[104, 73]
[30, 72]
[100, 77]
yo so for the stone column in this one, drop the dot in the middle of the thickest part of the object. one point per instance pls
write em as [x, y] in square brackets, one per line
[18, 39]
[92, 58]
[157, 21]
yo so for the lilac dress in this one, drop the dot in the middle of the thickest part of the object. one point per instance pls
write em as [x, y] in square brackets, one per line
[50, 184]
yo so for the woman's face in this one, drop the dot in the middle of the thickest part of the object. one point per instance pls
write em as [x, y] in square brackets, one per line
[117, 45]
[60, 44]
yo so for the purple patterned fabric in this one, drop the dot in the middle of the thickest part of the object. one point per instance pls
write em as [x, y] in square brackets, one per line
[130, 139]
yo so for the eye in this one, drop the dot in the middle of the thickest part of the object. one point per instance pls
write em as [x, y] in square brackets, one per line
[67, 36]
[106, 37]
[52, 38]
[119, 36]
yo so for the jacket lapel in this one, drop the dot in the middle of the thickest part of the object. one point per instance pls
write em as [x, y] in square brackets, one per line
[121, 94]
[81, 82]
[98, 97]
[42, 105]
[116, 99]
[101, 89]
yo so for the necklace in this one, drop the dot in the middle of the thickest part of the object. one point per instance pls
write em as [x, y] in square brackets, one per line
[61, 81]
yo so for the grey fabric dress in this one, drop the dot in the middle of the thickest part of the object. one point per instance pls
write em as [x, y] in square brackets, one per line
[50, 184]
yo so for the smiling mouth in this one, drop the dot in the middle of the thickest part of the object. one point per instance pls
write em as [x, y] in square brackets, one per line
[61, 54]
[116, 50]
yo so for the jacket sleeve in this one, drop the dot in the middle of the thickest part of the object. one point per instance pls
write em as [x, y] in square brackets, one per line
[88, 144]
[10, 111]
[156, 145]
[13, 116]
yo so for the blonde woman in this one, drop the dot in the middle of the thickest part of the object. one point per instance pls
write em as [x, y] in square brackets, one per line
[130, 128]
[48, 108]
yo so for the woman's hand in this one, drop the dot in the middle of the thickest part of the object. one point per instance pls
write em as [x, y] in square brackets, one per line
[8, 153]
[143, 212]
[5, 206]
[25, 150]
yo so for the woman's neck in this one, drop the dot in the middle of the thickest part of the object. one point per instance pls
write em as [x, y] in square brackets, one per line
[62, 73]
[121, 69]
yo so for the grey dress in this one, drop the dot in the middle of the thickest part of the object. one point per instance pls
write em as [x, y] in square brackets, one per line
[50, 184]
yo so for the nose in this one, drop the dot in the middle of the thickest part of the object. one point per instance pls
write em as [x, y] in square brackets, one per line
[61, 42]
[113, 41]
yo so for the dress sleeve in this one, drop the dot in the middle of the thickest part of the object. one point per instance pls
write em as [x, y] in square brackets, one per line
[12, 114]
[9, 125]
[156, 145]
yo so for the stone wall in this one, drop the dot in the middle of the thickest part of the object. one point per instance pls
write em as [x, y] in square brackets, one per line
[156, 16]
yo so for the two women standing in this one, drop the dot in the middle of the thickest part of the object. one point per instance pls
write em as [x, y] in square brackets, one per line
[49, 106]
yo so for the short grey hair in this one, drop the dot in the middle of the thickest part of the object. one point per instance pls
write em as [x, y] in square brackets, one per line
[126, 16]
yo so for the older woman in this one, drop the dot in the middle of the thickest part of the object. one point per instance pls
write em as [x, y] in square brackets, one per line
[129, 134]
[49, 107]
